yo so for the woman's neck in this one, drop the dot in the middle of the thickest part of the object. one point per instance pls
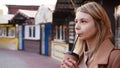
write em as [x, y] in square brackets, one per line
[90, 43]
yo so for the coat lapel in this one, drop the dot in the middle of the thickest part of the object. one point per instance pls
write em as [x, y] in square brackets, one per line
[102, 54]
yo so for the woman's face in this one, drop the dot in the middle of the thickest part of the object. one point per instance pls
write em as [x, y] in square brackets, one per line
[85, 26]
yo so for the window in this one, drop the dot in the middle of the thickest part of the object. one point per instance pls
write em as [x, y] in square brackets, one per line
[32, 32]
[8, 32]
[60, 32]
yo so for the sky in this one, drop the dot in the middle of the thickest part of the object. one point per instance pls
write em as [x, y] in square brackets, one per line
[27, 2]
[48, 3]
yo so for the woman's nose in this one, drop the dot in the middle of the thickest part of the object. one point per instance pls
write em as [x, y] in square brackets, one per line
[77, 27]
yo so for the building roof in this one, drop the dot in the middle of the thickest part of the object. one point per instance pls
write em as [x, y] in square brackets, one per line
[67, 5]
[20, 14]
[14, 8]
[29, 13]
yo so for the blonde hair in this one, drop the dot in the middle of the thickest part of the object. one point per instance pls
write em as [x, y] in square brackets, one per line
[102, 23]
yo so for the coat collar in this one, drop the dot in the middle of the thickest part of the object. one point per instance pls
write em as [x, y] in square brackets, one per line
[102, 54]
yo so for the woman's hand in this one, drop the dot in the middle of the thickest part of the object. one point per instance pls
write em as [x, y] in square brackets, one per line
[69, 63]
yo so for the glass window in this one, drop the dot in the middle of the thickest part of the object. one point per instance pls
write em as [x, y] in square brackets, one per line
[8, 32]
[32, 32]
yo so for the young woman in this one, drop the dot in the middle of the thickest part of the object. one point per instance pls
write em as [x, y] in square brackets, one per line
[94, 45]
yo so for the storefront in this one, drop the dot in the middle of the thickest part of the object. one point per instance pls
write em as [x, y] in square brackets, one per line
[28, 32]
[8, 38]
[63, 33]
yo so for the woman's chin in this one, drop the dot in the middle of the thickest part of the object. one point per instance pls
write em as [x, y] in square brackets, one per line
[81, 38]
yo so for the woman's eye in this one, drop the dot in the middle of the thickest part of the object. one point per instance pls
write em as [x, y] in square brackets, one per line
[83, 22]
[80, 21]
[76, 21]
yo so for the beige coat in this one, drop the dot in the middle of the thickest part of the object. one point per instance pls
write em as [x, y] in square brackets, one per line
[106, 56]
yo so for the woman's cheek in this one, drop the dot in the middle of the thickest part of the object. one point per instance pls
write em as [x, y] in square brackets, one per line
[77, 31]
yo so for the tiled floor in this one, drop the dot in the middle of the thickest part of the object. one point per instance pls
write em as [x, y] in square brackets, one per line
[22, 59]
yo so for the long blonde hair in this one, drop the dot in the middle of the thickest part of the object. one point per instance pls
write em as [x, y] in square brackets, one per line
[102, 23]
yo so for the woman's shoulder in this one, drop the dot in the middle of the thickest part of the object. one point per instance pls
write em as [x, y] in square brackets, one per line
[115, 53]
[114, 59]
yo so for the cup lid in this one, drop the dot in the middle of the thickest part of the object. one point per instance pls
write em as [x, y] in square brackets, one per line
[72, 53]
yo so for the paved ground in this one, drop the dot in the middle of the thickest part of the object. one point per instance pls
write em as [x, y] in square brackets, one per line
[21, 59]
